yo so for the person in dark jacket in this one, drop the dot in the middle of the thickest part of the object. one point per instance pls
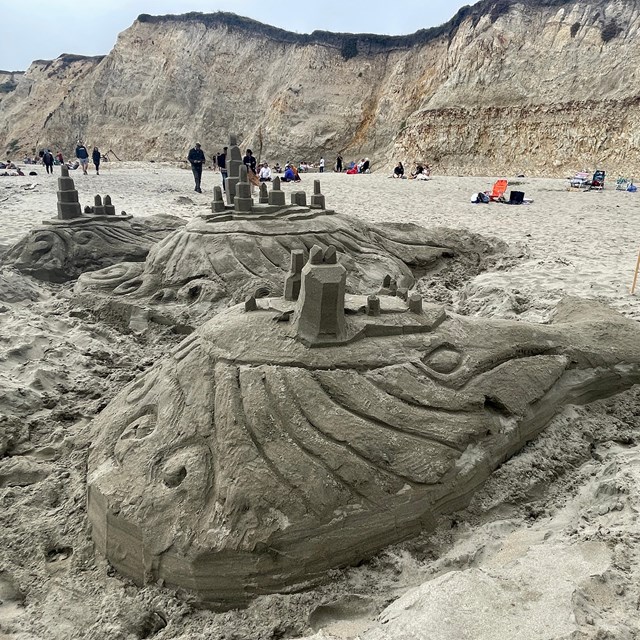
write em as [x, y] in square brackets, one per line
[250, 161]
[47, 161]
[222, 165]
[95, 156]
[83, 157]
[196, 158]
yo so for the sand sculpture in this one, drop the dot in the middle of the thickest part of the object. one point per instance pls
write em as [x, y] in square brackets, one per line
[244, 246]
[291, 435]
[75, 242]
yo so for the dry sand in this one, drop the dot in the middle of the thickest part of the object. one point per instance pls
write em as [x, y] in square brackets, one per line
[548, 548]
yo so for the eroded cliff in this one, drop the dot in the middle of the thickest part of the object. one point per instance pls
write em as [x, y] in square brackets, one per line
[540, 87]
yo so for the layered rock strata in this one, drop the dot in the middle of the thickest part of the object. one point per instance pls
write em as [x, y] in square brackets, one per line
[534, 87]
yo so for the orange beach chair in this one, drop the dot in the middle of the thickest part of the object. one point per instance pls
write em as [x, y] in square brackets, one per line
[499, 189]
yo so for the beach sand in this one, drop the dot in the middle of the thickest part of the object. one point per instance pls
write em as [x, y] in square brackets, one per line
[545, 550]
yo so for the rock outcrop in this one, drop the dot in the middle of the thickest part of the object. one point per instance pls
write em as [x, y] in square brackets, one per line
[537, 87]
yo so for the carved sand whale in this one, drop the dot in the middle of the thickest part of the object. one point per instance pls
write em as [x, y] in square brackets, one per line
[289, 436]
[75, 242]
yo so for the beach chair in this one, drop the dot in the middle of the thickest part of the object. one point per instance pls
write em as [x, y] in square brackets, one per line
[579, 180]
[499, 189]
[597, 182]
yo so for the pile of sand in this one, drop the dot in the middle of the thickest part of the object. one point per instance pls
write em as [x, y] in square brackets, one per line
[545, 550]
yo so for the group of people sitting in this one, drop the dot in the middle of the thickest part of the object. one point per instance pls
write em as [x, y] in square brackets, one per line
[359, 167]
[420, 172]
[291, 173]
[265, 173]
[10, 169]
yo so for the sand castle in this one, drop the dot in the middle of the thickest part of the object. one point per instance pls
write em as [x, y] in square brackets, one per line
[294, 434]
[77, 241]
[243, 247]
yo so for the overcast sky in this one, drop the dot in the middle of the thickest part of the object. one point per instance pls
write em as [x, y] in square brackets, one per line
[43, 29]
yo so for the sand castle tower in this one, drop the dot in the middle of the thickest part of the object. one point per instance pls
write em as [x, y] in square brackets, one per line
[243, 202]
[319, 315]
[68, 203]
[276, 195]
[234, 162]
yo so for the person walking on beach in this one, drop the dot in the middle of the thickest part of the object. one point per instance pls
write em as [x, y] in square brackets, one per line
[222, 165]
[321, 165]
[196, 158]
[83, 157]
[95, 156]
[339, 164]
[47, 161]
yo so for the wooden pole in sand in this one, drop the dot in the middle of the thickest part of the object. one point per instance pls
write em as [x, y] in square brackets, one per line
[635, 275]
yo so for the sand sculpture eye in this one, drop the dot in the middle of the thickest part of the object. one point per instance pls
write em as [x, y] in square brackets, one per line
[173, 473]
[443, 360]
[128, 287]
[140, 428]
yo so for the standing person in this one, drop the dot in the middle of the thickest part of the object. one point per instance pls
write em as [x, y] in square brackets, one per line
[95, 156]
[60, 157]
[321, 165]
[339, 164]
[222, 165]
[47, 161]
[196, 158]
[250, 161]
[83, 157]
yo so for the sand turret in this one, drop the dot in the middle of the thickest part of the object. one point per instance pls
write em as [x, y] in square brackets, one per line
[319, 315]
[68, 203]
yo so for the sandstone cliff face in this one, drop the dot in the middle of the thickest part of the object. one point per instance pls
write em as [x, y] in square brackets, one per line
[538, 87]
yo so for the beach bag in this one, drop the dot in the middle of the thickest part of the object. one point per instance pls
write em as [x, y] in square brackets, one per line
[516, 197]
[479, 197]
